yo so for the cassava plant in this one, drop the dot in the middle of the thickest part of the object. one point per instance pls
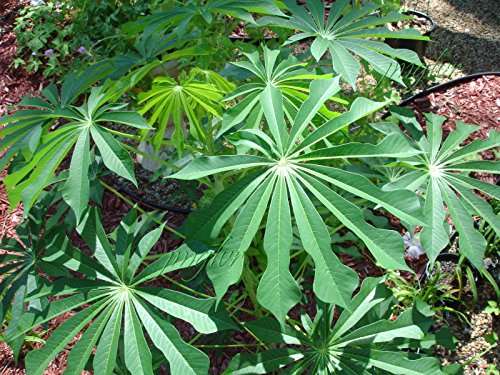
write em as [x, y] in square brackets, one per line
[278, 170]
[197, 95]
[199, 13]
[347, 33]
[278, 159]
[441, 172]
[38, 151]
[112, 291]
[288, 75]
[363, 340]
[203, 23]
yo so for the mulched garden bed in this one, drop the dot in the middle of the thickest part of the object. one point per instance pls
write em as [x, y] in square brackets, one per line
[475, 102]
[14, 83]
[466, 102]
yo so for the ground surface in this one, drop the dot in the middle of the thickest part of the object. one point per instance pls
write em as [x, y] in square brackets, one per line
[469, 30]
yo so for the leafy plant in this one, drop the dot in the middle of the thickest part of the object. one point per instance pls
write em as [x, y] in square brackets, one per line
[202, 23]
[61, 35]
[96, 24]
[441, 171]
[363, 340]
[148, 52]
[197, 94]
[196, 12]
[492, 308]
[110, 293]
[39, 151]
[346, 33]
[283, 170]
[437, 291]
[288, 75]
[43, 33]
[25, 257]
[278, 163]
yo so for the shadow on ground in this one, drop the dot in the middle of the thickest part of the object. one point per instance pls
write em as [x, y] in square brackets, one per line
[483, 10]
[464, 49]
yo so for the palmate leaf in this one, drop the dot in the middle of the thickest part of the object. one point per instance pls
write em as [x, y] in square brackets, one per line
[203, 11]
[196, 95]
[346, 33]
[354, 345]
[24, 259]
[84, 123]
[288, 76]
[115, 295]
[263, 363]
[292, 171]
[277, 275]
[443, 177]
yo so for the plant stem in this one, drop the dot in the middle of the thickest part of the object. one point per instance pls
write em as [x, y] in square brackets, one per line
[124, 135]
[249, 282]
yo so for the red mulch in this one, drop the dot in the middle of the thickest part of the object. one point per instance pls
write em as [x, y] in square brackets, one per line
[14, 83]
[466, 102]
[475, 102]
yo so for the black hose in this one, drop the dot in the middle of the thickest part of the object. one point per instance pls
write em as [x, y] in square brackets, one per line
[441, 86]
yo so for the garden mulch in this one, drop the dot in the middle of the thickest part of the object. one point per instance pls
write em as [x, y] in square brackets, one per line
[466, 102]
[14, 83]
[469, 28]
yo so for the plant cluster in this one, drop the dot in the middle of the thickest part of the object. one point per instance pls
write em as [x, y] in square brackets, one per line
[271, 138]
[57, 36]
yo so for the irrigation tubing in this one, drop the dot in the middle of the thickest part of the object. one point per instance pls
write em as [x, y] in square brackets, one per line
[442, 86]
[402, 104]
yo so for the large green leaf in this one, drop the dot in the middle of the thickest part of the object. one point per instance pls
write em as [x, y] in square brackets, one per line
[205, 166]
[114, 156]
[38, 360]
[263, 363]
[137, 355]
[48, 148]
[334, 282]
[434, 237]
[225, 268]
[472, 244]
[394, 363]
[199, 312]
[276, 160]
[106, 351]
[439, 172]
[76, 189]
[360, 342]
[278, 291]
[183, 358]
[347, 33]
[79, 355]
